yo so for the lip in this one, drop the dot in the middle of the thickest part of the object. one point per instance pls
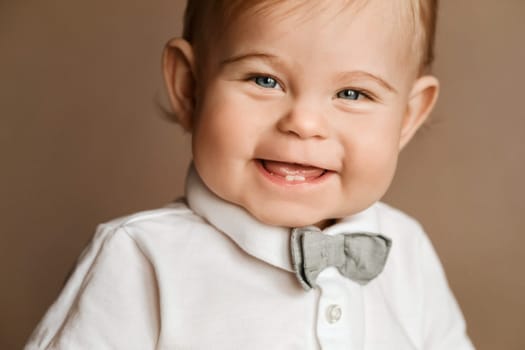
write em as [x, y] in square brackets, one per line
[282, 181]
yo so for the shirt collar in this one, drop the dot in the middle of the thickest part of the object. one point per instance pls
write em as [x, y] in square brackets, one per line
[268, 243]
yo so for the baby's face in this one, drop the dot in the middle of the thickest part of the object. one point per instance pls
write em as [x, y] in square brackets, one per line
[300, 117]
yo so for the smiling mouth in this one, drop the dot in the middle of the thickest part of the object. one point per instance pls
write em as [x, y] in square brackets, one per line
[291, 173]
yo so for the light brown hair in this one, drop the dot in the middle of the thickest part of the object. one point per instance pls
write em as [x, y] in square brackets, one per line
[205, 19]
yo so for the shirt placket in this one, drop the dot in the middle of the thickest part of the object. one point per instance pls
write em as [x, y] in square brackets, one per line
[340, 314]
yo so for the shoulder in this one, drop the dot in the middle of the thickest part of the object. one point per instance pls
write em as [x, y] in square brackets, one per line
[411, 247]
[144, 230]
[129, 234]
[398, 225]
[173, 218]
[171, 213]
[392, 217]
[416, 286]
[171, 231]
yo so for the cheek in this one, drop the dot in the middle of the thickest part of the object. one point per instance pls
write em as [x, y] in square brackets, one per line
[222, 143]
[214, 129]
[377, 165]
[371, 153]
[229, 124]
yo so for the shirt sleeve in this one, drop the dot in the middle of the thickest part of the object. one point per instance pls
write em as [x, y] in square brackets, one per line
[109, 302]
[444, 326]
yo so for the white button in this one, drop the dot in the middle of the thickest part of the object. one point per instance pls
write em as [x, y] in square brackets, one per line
[333, 313]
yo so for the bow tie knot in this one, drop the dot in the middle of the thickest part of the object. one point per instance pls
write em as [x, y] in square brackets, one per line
[358, 256]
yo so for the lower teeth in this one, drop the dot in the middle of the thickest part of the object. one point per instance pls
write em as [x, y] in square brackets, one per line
[292, 178]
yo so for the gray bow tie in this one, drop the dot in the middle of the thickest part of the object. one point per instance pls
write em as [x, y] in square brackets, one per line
[358, 256]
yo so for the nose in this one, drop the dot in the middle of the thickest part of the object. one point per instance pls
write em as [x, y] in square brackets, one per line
[304, 121]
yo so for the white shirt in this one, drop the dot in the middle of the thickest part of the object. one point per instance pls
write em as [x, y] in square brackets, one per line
[207, 275]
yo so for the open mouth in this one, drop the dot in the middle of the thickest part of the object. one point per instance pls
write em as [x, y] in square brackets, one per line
[291, 173]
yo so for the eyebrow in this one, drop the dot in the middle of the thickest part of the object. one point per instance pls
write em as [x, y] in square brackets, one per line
[366, 75]
[252, 55]
[342, 76]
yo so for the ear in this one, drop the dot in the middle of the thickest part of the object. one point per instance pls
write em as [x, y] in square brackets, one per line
[179, 75]
[422, 99]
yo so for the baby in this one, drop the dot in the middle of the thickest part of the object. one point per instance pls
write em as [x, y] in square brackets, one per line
[298, 111]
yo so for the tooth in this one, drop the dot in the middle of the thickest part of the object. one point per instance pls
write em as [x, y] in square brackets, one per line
[291, 178]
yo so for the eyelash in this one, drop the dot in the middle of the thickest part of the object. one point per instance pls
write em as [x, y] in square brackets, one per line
[254, 77]
[360, 93]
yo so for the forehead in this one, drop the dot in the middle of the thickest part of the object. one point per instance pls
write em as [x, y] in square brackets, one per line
[369, 32]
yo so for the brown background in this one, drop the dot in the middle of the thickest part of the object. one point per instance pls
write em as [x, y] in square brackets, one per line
[82, 141]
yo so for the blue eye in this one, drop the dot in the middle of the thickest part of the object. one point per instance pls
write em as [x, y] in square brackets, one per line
[349, 94]
[266, 82]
